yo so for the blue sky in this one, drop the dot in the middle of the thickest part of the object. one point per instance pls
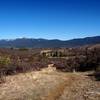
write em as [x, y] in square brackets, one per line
[50, 19]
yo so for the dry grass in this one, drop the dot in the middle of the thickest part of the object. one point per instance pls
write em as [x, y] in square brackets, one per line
[47, 84]
[32, 86]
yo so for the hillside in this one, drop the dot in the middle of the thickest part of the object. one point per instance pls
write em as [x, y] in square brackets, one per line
[44, 43]
[49, 84]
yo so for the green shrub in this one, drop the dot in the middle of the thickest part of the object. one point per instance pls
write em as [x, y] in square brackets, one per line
[23, 49]
[4, 61]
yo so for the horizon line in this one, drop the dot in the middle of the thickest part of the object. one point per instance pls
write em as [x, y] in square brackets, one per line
[47, 39]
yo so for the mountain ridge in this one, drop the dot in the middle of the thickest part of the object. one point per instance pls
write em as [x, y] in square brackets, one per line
[46, 43]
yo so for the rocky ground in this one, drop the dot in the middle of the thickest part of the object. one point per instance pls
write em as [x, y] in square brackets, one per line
[49, 84]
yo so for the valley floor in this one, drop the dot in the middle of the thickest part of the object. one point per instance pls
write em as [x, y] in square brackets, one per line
[49, 85]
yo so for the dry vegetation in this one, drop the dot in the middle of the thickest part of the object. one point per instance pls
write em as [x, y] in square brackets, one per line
[49, 84]
[22, 60]
[24, 74]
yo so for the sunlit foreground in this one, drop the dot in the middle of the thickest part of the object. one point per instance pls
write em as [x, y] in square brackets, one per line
[49, 84]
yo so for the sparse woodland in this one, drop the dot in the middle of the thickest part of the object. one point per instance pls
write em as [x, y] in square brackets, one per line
[13, 61]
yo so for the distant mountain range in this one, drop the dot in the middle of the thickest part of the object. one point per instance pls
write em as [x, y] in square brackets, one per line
[44, 43]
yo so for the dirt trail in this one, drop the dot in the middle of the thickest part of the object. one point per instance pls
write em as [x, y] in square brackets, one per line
[81, 88]
[49, 85]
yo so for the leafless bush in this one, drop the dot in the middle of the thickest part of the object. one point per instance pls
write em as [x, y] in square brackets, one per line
[14, 61]
[2, 77]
